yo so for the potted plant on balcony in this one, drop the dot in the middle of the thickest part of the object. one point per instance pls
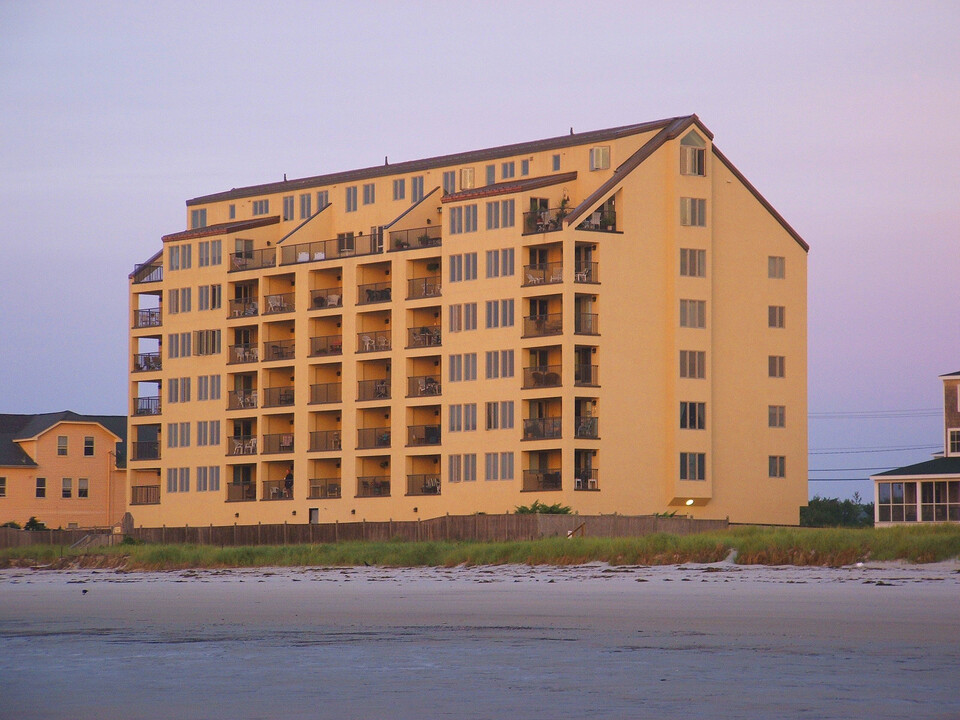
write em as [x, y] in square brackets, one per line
[607, 219]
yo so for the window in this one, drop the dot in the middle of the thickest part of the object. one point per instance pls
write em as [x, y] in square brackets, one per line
[470, 366]
[693, 364]
[506, 364]
[201, 433]
[185, 338]
[455, 471]
[214, 387]
[493, 215]
[208, 297]
[203, 387]
[172, 435]
[416, 188]
[499, 415]
[173, 345]
[456, 368]
[556, 163]
[693, 466]
[203, 253]
[173, 257]
[216, 252]
[470, 416]
[493, 364]
[507, 261]
[173, 302]
[261, 207]
[83, 487]
[456, 268]
[508, 170]
[600, 157]
[198, 219]
[470, 266]
[185, 299]
[369, 193]
[88, 446]
[466, 179]
[213, 478]
[693, 262]
[897, 502]
[693, 313]
[692, 154]
[61, 445]
[456, 220]
[455, 418]
[500, 214]
[305, 212]
[491, 465]
[184, 434]
[776, 366]
[323, 199]
[171, 480]
[506, 466]
[66, 487]
[3, 487]
[288, 207]
[524, 167]
[449, 182]
[493, 263]
[493, 415]
[493, 314]
[776, 416]
[954, 442]
[470, 316]
[491, 174]
[41, 490]
[351, 198]
[184, 479]
[693, 415]
[232, 212]
[777, 466]
[776, 267]
[208, 342]
[470, 467]
[470, 218]
[456, 318]
[775, 316]
[693, 212]
[209, 252]
[399, 189]
[173, 392]
[201, 479]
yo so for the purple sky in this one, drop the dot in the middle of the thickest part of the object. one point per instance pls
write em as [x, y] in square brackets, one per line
[841, 114]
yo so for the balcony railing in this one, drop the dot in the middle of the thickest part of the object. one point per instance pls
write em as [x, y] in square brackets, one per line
[326, 393]
[586, 273]
[344, 246]
[241, 492]
[425, 287]
[374, 293]
[423, 336]
[373, 341]
[324, 440]
[146, 405]
[586, 375]
[278, 350]
[145, 495]
[429, 236]
[587, 427]
[373, 486]
[586, 479]
[541, 325]
[542, 428]
[324, 488]
[146, 362]
[241, 399]
[373, 389]
[146, 450]
[586, 324]
[376, 437]
[603, 221]
[543, 274]
[423, 484]
[326, 345]
[244, 307]
[149, 272]
[541, 376]
[423, 386]
[542, 479]
[242, 445]
[243, 353]
[423, 435]
[253, 259]
[280, 303]
[538, 221]
[278, 443]
[326, 298]
[277, 490]
[152, 317]
[278, 396]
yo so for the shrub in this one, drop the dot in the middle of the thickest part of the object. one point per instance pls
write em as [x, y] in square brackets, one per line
[541, 508]
[34, 524]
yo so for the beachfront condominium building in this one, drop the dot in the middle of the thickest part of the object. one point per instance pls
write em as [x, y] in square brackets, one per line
[611, 320]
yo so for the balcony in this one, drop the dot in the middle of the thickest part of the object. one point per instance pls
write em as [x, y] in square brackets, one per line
[425, 287]
[542, 428]
[145, 495]
[322, 393]
[377, 437]
[278, 396]
[423, 484]
[423, 386]
[253, 259]
[326, 298]
[374, 341]
[325, 440]
[278, 443]
[241, 492]
[324, 488]
[418, 435]
[346, 245]
[146, 405]
[586, 479]
[586, 324]
[146, 362]
[241, 399]
[277, 490]
[326, 345]
[587, 427]
[146, 450]
[423, 337]
[281, 303]
[373, 389]
[244, 353]
[543, 274]
[588, 375]
[278, 350]
[542, 221]
[586, 273]
[244, 307]
[373, 486]
[543, 325]
[242, 445]
[542, 479]
[600, 221]
[374, 293]
[423, 237]
[153, 317]
[541, 376]
[148, 273]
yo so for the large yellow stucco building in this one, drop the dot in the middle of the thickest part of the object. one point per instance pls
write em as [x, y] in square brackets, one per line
[611, 320]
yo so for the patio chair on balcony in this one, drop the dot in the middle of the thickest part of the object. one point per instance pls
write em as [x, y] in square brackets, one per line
[534, 279]
[303, 257]
[251, 447]
[368, 342]
[383, 342]
[557, 275]
[238, 447]
[275, 303]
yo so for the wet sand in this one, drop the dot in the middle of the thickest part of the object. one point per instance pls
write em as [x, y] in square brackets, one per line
[712, 641]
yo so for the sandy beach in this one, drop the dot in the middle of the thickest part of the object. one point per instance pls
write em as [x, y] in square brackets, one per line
[717, 641]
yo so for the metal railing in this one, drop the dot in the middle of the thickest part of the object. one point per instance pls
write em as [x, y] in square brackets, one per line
[586, 273]
[543, 273]
[423, 435]
[424, 386]
[243, 353]
[423, 484]
[344, 246]
[326, 298]
[601, 220]
[429, 236]
[586, 374]
[373, 341]
[148, 272]
[541, 325]
[242, 445]
[375, 437]
[151, 317]
[586, 479]
[279, 303]
[147, 362]
[326, 393]
[542, 428]
[549, 220]
[325, 440]
[253, 259]
[278, 443]
[244, 307]
[586, 426]
[146, 405]
[146, 450]
[278, 350]
[278, 396]
[374, 293]
[586, 323]
[324, 488]
[326, 345]
[373, 389]
[541, 376]
[424, 336]
[373, 486]
[277, 490]
[241, 492]
[425, 287]
[145, 495]
[241, 399]
[542, 479]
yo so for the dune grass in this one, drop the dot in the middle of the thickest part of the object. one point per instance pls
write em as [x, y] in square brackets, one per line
[753, 545]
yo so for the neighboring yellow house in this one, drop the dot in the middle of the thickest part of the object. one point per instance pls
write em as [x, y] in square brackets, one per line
[611, 320]
[65, 469]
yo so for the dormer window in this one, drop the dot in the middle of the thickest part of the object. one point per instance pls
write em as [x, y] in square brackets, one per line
[692, 154]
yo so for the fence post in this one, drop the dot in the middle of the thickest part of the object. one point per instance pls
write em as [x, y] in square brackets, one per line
[258, 532]
[336, 531]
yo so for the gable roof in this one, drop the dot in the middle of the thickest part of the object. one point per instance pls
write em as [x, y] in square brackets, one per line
[222, 228]
[25, 427]
[937, 466]
[953, 374]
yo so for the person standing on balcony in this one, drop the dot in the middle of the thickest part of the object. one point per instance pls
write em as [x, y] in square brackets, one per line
[288, 483]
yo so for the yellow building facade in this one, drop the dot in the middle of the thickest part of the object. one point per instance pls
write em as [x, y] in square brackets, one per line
[612, 320]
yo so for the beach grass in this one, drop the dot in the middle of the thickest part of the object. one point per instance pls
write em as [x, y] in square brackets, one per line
[830, 547]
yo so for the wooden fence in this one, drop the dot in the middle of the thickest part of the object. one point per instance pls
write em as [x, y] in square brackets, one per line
[447, 527]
